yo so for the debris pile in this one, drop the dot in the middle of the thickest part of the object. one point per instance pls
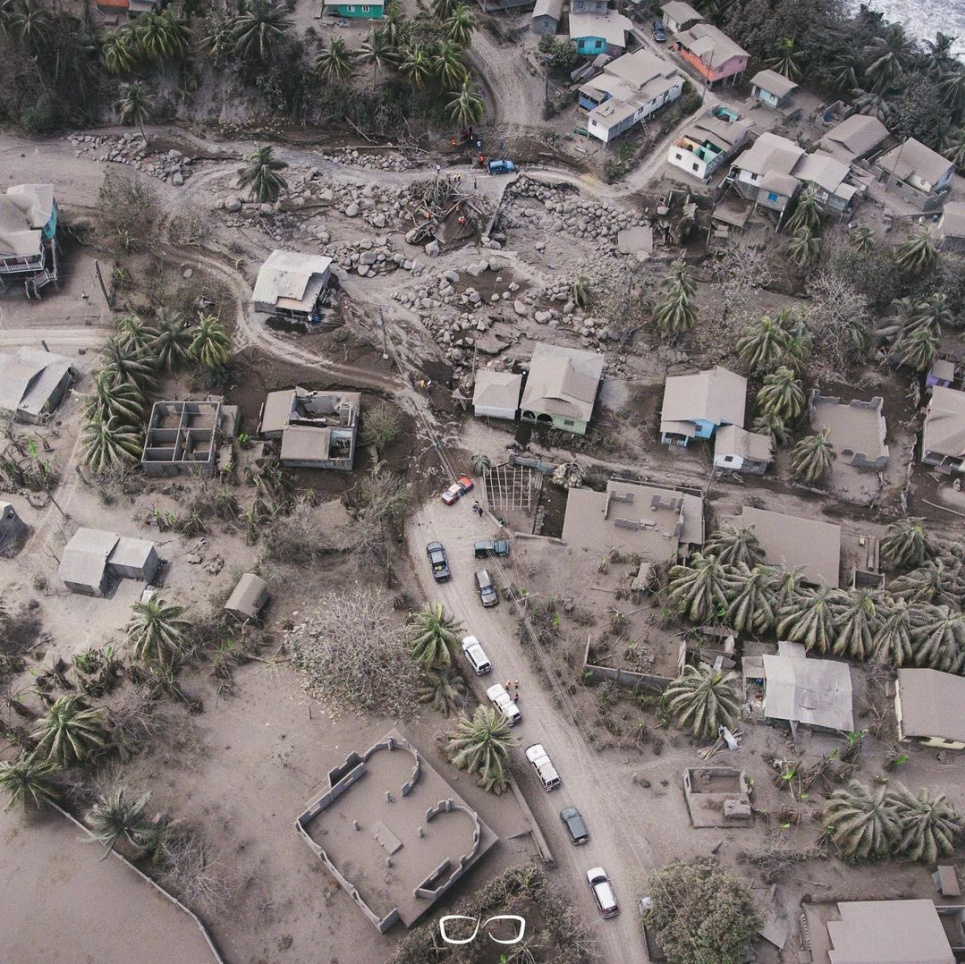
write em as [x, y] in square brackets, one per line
[169, 166]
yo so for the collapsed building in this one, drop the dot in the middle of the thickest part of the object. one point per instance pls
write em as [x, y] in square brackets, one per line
[182, 437]
[317, 430]
[28, 238]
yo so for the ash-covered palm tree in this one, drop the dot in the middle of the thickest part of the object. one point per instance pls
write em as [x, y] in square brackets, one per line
[772, 424]
[480, 744]
[676, 312]
[751, 608]
[119, 51]
[116, 817]
[70, 732]
[698, 590]
[261, 176]
[28, 22]
[135, 104]
[210, 343]
[162, 36]
[258, 30]
[466, 106]
[940, 640]
[804, 248]
[133, 335]
[762, 345]
[787, 585]
[934, 582]
[433, 635]
[862, 822]
[480, 463]
[416, 65]
[442, 10]
[734, 545]
[862, 239]
[812, 457]
[808, 618]
[122, 401]
[702, 699]
[787, 58]
[807, 212]
[894, 641]
[334, 63]
[460, 25]
[449, 68]
[172, 346]
[954, 149]
[918, 349]
[443, 689]
[858, 615]
[379, 52]
[952, 87]
[906, 544]
[888, 56]
[781, 394]
[918, 253]
[29, 779]
[106, 446]
[157, 632]
[123, 364]
[930, 827]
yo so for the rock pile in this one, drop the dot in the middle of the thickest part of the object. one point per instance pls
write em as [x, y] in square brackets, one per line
[370, 160]
[170, 166]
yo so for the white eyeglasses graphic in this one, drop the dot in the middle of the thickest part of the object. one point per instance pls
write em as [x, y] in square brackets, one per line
[468, 940]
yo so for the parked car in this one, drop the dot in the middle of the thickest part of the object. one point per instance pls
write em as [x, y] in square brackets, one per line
[504, 703]
[457, 490]
[490, 547]
[602, 892]
[486, 589]
[476, 655]
[659, 34]
[543, 767]
[439, 561]
[575, 825]
[501, 167]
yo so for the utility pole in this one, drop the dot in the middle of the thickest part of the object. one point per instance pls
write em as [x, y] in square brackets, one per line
[385, 346]
[100, 278]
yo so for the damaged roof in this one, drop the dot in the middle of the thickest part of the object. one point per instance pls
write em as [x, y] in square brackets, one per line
[25, 209]
[815, 692]
[291, 279]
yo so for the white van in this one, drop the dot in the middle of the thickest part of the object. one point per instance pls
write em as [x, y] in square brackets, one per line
[504, 703]
[544, 768]
[476, 655]
[602, 892]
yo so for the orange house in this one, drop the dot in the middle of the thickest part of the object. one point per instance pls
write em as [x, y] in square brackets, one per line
[711, 53]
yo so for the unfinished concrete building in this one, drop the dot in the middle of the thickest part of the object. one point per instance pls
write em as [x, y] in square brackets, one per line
[717, 797]
[318, 430]
[856, 430]
[392, 832]
[182, 437]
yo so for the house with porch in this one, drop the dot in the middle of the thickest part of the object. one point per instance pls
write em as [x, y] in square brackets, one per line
[695, 406]
[763, 173]
[707, 144]
[679, 16]
[920, 175]
[599, 33]
[28, 237]
[370, 10]
[830, 180]
[771, 88]
[628, 90]
[561, 388]
[943, 437]
[714, 56]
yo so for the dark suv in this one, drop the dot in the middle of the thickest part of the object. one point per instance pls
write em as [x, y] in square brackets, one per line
[490, 547]
[439, 561]
[486, 589]
[575, 825]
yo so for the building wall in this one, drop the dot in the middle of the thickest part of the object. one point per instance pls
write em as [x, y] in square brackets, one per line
[944, 463]
[765, 96]
[737, 463]
[589, 46]
[588, 6]
[544, 24]
[485, 411]
[715, 74]
[607, 134]
[357, 11]
[705, 428]
[555, 421]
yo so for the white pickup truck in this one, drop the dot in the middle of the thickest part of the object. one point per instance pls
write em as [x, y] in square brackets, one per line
[504, 703]
[543, 766]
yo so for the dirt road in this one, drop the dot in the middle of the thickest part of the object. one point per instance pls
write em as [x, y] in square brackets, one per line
[597, 784]
[516, 94]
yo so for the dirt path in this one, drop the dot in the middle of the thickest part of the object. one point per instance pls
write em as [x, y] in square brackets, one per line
[516, 94]
[598, 786]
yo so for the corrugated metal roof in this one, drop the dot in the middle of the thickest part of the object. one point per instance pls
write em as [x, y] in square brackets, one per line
[291, 279]
[815, 692]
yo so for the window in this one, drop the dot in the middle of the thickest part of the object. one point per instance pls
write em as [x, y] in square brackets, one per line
[696, 167]
[568, 422]
[771, 196]
[366, 9]
[753, 177]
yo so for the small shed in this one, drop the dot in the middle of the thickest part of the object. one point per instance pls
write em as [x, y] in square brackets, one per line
[248, 598]
[134, 559]
[772, 88]
[742, 451]
[12, 528]
[678, 16]
[83, 567]
[546, 16]
[496, 395]
[942, 373]
[292, 284]
[951, 227]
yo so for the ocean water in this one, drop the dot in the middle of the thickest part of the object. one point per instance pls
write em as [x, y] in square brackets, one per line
[924, 18]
